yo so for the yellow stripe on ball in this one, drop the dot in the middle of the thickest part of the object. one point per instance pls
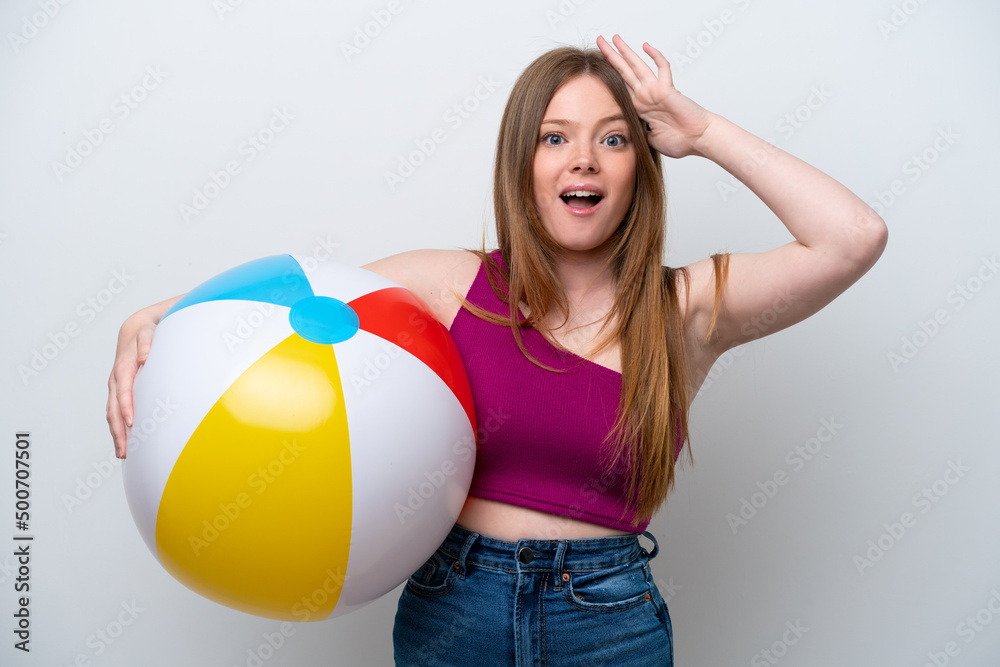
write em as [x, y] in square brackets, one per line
[273, 451]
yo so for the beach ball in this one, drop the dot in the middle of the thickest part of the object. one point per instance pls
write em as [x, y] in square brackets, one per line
[303, 438]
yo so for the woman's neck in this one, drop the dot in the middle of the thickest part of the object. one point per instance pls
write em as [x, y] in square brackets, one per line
[588, 283]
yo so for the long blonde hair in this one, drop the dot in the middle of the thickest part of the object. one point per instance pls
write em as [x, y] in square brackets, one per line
[654, 397]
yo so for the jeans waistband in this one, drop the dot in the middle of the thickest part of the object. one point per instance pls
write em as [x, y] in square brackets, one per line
[558, 556]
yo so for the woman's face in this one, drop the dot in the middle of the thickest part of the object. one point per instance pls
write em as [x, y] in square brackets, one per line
[584, 166]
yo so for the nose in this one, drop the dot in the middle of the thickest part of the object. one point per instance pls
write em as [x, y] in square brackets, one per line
[585, 159]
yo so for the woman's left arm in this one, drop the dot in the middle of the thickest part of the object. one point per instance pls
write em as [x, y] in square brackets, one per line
[837, 236]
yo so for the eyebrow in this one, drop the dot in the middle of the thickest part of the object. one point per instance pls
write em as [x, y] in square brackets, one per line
[562, 121]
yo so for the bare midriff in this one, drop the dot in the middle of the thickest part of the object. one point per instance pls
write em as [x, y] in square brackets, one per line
[510, 522]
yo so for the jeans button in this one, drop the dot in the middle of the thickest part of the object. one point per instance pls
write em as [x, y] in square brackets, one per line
[525, 555]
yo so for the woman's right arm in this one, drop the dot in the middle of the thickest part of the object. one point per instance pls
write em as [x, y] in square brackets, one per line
[134, 340]
[435, 276]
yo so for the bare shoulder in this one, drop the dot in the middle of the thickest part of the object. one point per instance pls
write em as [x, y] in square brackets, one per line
[438, 277]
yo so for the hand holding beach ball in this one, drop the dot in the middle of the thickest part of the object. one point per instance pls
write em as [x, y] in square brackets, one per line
[301, 443]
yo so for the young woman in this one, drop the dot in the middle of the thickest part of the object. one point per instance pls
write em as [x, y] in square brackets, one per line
[584, 353]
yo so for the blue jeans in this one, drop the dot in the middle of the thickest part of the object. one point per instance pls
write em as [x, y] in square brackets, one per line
[483, 601]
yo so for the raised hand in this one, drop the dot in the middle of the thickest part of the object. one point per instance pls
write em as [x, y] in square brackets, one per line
[675, 122]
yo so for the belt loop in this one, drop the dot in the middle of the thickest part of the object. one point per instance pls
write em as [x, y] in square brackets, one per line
[656, 545]
[561, 547]
[469, 541]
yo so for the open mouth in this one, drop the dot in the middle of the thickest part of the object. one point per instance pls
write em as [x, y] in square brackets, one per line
[581, 200]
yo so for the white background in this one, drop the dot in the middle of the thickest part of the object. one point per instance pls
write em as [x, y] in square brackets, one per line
[888, 92]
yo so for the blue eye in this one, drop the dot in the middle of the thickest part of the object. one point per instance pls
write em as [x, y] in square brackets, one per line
[546, 138]
[619, 140]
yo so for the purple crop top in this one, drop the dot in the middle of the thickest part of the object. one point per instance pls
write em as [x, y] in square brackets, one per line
[541, 434]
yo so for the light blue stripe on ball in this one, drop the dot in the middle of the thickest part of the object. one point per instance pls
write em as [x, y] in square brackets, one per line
[278, 279]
